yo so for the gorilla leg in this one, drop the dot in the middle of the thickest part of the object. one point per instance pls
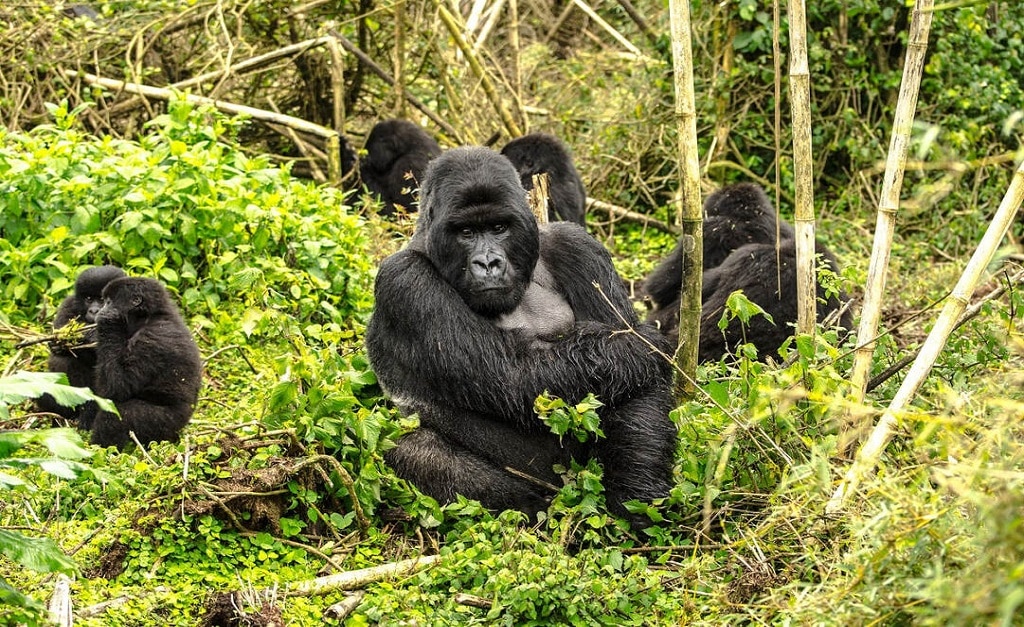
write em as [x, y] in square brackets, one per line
[500, 444]
[638, 450]
[442, 469]
[149, 422]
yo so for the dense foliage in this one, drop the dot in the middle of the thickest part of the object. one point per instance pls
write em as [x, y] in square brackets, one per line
[280, 477]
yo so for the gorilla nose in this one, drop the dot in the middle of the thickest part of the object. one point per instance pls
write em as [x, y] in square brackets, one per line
[487, 266]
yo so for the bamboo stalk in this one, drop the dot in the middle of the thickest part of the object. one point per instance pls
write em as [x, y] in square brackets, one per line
[478, 70]
[689, 212]
[889, 202]
[803, 169]
[398, 57]
[869, 454]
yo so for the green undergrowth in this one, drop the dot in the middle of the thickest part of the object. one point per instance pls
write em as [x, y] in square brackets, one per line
[280, 477]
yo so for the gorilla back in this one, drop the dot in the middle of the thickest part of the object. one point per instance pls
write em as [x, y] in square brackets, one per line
[146, 362]
[441, 346]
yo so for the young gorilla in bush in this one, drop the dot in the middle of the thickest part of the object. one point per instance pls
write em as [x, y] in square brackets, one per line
[538, 153]
[739, 254]
[78, 363]
[397, 153]
[146, 363]
[442, 346]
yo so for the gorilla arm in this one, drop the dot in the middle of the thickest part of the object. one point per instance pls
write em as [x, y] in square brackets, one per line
[427, 346]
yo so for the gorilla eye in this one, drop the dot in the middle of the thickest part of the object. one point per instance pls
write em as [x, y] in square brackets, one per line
[500, 227]
[465, 232]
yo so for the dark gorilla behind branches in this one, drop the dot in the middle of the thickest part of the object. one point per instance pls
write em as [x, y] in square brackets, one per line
[733, 216]
[758, 272]
[442, 346]
[146, 363]
[78, 363]
[397, 153]
[740, 254]
[538, 153]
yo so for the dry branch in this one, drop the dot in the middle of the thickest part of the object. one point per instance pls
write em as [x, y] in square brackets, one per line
[868, 456]
[454, 29]
[380, 72]
[615, 211]
[333, 156]
[242, 67]
[355, 579]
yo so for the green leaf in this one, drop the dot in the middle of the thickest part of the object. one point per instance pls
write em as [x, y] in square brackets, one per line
[38, 554]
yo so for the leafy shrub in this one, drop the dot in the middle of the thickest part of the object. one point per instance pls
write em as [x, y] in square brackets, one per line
[228, 232]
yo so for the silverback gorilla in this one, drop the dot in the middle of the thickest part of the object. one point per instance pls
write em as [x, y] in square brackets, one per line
[146, 363]
[397, 153]
[441, 345]
[78, 363]
[538, 153]
[740, 254]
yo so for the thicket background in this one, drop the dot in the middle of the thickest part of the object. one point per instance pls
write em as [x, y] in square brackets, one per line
[280, 477]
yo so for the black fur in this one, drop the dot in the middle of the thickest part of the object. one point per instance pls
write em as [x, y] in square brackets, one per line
[740, 254]
[397, 153]
[146, 363]
[758, 272]
[541, 153]
[438, 347]
[733, 216]
[78, 362]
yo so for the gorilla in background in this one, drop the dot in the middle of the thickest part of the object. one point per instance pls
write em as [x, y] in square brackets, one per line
[146, 363]
[78, 362]
[739, 254]
[755, 269]
[481, 313]
[733, 216]
[539, 152]
[397, 152]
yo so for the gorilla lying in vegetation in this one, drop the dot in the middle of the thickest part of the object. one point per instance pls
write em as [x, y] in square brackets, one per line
[146, 363]
[538, 153]
[740, 254]
[78, 363]
[397, 153]
[480, 314]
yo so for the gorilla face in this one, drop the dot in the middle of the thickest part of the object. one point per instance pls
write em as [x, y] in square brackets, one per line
[479, 231]
[89, 287]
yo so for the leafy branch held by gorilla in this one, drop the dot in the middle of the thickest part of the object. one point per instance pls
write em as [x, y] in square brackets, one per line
[462, 335]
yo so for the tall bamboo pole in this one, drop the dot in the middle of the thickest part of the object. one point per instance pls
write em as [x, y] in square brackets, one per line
[870, 453]
[689, 214]
[803, 168]
[889, 202]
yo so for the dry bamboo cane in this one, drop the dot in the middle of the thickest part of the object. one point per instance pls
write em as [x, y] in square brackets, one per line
[870, 453]
[803, 169]
[889, 202]
[478, 70]
[689, 214]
